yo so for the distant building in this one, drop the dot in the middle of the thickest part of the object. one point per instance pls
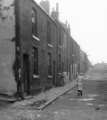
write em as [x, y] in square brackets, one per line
[84, 62]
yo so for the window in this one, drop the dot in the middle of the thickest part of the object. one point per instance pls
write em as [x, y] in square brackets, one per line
[59, 63]
[35, 61]
[60, 37]
[49, 64]
[34, 22]
[48, 32]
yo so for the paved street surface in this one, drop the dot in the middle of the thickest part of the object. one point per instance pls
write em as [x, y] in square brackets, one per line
[91, 106]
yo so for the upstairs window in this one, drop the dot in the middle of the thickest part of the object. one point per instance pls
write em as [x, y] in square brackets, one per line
[34, 22]
[59, 63]
[60, 43]
[48, 32]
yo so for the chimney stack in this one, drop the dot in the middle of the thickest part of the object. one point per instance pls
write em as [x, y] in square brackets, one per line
[57, 7]
[45, 5]
[69, 29]
[55, 12]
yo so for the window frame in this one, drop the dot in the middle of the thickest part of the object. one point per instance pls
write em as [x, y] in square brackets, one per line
[35, 61]
[34, 22]
[49, 32]
[49, 64]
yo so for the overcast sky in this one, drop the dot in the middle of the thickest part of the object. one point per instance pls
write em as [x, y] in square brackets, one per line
[88, 20]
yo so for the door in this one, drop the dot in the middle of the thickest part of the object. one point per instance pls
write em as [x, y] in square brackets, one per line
[26, 76]
[54, 73]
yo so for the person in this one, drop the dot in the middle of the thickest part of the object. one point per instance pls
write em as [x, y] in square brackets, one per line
[19, 86]
[79, 85]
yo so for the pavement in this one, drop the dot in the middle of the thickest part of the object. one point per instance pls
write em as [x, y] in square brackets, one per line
[40, 101]
[30, 108]
[67, 107]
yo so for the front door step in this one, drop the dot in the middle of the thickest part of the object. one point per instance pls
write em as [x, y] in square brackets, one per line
[7, 98]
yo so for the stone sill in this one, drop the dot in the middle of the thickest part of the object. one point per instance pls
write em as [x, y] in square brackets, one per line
[36, 38]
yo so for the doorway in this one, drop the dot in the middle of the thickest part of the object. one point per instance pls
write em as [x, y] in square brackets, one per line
[26, 76]
[54, 73]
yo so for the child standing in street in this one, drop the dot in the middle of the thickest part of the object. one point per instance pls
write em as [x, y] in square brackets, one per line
[79, 85]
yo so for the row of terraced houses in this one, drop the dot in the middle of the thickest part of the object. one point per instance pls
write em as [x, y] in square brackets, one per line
[37, 51]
